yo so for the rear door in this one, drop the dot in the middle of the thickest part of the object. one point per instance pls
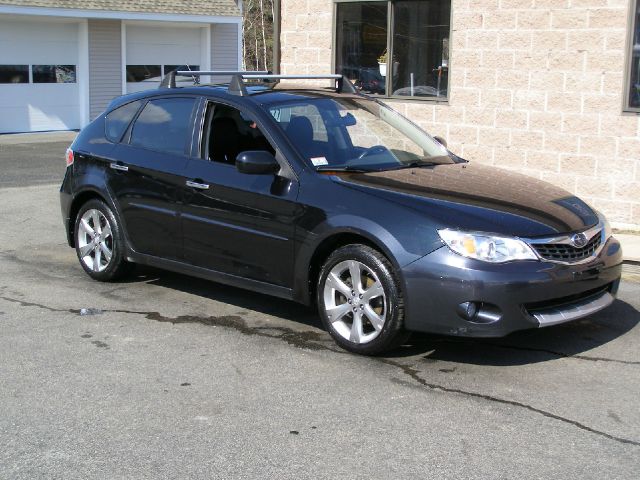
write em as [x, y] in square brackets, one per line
[148, 176]
[233, 222]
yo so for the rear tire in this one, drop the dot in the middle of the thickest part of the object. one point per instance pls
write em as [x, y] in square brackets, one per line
[99, 241]
[360, 301]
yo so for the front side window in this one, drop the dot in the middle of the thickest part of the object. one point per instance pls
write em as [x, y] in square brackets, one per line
[164, 125]
[633, 98]
[229, 132]
[14, 73]
[395, 48]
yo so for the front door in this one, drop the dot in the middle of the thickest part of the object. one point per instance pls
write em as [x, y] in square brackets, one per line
[233, 222]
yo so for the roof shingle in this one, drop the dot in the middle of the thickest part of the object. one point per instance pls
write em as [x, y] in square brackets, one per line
[185, 7]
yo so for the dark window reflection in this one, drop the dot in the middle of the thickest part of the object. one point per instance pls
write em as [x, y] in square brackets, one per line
[420, 48]
[119, 119]
[14, 73]
[54, 74]
[634, 87]
[361, 40]
[143, 73]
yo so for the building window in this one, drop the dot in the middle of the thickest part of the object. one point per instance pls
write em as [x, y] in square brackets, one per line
[633, 91]
[395, 48]
[154, 73]
[143, 73]
[14, 73]
[54, 73]
[170, 68]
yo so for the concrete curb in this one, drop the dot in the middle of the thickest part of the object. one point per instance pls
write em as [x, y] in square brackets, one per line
[630, 246]
[38, 137]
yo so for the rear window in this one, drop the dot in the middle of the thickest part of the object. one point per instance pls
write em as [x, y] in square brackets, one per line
[119, 119]
[164, 125]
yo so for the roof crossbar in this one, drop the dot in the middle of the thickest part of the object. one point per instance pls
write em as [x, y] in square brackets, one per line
[237, 85]
[342, 84]
[169, 80]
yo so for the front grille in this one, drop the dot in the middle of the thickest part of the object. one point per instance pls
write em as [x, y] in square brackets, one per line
[535, 307]
[562, 252]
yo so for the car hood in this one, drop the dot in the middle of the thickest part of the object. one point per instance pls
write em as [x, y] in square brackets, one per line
[481, 198]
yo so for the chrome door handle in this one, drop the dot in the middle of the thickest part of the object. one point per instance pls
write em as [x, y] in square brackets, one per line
[117, 166]
[199, 186]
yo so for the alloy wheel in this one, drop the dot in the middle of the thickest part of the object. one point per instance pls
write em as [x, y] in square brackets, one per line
[355, 301]
[95, 240]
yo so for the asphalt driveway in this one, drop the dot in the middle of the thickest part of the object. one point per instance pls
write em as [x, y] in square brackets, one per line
[166, 376]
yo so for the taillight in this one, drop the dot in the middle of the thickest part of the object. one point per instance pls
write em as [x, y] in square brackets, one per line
[69, 157]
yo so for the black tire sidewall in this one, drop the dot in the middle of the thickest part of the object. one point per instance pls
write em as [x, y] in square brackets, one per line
[118, 262]
[393, 328]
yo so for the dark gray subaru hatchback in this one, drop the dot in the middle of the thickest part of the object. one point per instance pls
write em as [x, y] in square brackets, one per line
[328, 196]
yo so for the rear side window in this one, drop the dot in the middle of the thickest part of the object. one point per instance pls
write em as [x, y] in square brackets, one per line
[119, 119]
[164, 125]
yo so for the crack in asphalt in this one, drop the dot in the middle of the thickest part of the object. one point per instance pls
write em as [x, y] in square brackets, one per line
[413, 373]
[307, 339]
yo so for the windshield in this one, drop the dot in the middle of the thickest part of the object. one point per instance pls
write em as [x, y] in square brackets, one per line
[355, 134]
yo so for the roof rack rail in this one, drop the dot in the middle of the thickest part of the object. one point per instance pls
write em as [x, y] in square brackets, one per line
[169, 80]
[237, 85]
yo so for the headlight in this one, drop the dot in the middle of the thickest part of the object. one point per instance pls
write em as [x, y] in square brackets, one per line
[487, 248]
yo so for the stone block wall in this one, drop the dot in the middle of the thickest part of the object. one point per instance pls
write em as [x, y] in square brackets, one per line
[535, 86]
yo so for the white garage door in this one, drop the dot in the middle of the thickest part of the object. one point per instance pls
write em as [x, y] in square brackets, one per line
[153, 50]
[38, 76]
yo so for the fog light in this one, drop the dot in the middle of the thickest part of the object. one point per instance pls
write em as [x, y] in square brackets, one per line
[479, 312]
[467, 310]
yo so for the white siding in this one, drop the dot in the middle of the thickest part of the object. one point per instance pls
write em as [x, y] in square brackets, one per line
[105, 63]
[224, 46]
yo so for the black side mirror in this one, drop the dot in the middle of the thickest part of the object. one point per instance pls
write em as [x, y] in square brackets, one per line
[441, 141]
[257, 162]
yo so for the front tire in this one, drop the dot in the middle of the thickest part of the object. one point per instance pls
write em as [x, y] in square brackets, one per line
[360, 301]
[99, 242]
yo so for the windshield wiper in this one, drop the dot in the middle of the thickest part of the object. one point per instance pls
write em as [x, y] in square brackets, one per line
[341, 168]
[413, 165]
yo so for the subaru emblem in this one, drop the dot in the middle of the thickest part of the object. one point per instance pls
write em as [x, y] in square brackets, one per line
[579, 240]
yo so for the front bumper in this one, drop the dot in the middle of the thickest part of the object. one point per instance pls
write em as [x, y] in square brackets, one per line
[515, 296]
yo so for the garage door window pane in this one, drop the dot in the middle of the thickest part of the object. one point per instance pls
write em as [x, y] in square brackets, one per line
[119, 119]
[143, 73]
[361, 39]
[420, 48]
[54, 74]
[171, 68]
[164, 125]
[14, 73]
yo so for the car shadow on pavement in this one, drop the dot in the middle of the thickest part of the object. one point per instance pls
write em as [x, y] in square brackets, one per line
[572, 339]
[241, 298]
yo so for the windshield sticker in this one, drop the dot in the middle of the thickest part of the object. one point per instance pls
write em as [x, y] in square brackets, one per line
[317, 161]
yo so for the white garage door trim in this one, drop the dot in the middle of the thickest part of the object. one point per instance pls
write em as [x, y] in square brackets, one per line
[135, 31]
[29, 107]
